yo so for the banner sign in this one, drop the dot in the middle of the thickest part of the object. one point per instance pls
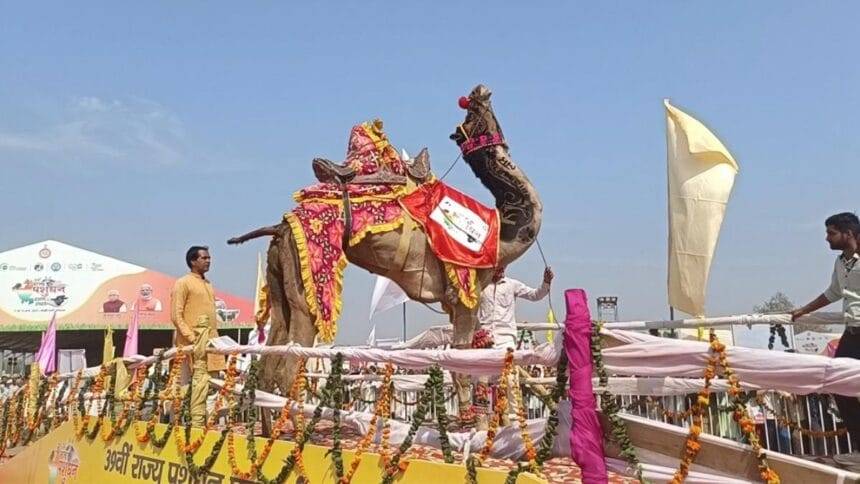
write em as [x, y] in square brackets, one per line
[90, 290]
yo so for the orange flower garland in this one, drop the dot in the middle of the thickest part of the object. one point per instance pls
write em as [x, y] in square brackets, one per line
[747, 425]
[501, 407]
[158, 410]
[787, 422]
[277, 429]
[36, 419]
[127, 405]
[381, 408]
[223, 394]
[97, 387]
[531, 452]
[76, 385]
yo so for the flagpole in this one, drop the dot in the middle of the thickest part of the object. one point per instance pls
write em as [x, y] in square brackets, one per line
[672, 318]
[404, 321]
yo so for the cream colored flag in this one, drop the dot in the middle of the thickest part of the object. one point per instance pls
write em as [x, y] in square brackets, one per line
[701, 175]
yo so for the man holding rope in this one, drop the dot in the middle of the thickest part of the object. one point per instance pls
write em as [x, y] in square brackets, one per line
[498, 325]
[843, 232]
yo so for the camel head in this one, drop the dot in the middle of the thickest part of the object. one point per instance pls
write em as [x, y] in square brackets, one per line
[481, 128]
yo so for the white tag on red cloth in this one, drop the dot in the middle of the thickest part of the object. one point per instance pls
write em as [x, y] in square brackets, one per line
[461, 224]
[461, 230]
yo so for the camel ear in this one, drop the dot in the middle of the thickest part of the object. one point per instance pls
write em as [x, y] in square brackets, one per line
[423, 157]
[481, 92]
[419, 167]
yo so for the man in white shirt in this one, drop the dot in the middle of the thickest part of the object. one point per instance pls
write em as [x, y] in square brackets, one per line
[497, 307]
[497, 316]
[843, 231]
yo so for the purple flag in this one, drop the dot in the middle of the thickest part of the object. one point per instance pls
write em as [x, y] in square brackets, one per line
[131, 334]
[46, 358]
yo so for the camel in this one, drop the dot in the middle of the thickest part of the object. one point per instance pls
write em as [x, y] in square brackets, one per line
[422, 275]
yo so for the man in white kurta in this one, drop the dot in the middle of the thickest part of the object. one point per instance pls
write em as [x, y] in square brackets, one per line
[497, 315]
[497, 309]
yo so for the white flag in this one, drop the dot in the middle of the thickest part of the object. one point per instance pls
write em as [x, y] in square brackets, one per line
[386, 295]
[701, 175]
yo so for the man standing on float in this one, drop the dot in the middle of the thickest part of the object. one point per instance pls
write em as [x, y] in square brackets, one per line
[191, 298]
[843, 230]
[498, 325]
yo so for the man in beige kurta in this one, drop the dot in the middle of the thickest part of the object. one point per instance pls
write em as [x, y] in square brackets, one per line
[192, 297]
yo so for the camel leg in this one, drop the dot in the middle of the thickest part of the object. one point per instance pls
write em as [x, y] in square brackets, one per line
[280, 315]
[465, 323]
[280, 318]
[301, 326]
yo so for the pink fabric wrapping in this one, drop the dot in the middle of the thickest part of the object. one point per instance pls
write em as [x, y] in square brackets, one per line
[47, 355]
[131, 334]
[586, 434]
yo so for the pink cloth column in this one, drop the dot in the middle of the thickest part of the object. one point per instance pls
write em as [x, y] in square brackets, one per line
[586, 434]
[131, 334]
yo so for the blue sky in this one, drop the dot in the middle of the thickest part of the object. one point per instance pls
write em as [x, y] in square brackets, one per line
[137, 130]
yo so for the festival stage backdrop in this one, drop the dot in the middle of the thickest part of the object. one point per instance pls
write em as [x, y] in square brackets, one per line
[89, 290]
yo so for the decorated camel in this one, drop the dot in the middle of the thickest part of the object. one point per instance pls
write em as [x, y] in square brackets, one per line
[396, 246]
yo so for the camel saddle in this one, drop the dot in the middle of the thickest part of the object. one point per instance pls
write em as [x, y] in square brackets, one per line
[328, 171]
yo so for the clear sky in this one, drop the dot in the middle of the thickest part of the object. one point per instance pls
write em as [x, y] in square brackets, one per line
[137, 130]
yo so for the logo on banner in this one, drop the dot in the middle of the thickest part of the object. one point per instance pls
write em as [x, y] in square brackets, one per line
[41, 292]
[45, 252]
[63, 464]
[463, 225]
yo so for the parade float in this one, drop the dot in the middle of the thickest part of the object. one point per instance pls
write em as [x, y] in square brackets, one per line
[299, 414]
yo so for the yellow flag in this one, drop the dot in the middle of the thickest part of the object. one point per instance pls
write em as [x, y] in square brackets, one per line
[108, 349]
[123, 379]
[550, 335]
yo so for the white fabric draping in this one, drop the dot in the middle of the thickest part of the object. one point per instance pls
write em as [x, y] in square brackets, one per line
[642, 355]
[743, 319]
[442, 334]
[478, 362]
[646, 355]
[432, 337]
[507, 443]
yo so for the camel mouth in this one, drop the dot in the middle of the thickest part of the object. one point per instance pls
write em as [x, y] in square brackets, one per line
[457, 137]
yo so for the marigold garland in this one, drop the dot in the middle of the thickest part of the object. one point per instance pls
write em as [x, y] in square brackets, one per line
[501, 406]
[791, 424]
[381, 408]
[531, 452]
[170, 388]
[692, 446]
[223, 394]
[277, 430]
[295, 458]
